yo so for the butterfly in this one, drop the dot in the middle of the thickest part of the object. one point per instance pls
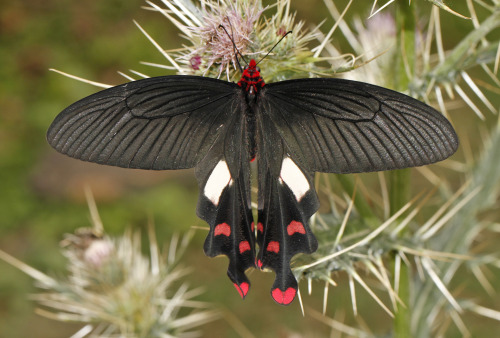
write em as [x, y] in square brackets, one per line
[291, 128]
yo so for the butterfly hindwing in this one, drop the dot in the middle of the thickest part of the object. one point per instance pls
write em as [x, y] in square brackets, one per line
[345, 126]
[230, 219]
[286, 202]
[224, 201]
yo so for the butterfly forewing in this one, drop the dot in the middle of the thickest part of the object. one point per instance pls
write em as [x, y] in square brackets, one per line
[344, 126]
[159, 123]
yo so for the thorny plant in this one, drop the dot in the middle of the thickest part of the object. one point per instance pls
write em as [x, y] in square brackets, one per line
[413, 259]
[117, 291]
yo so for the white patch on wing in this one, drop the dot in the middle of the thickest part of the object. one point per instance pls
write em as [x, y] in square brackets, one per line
[217, 181]
[294, 178]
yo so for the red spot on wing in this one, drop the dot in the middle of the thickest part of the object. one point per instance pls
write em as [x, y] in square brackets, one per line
[295, 227]
[242, 289]
[284, 297]
[244, 246]
[273, 246]
[252, 226]
[222, 229]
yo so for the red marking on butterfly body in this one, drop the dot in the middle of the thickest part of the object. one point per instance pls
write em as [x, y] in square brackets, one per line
[284, 297]
[242, 288]
[295, 227]
[222, 229]
[244, 246]
[273, 246]
[259, 264]
[260, 227]
[251, 80]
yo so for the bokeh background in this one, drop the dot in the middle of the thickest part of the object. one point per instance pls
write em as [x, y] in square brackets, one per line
[42, 192]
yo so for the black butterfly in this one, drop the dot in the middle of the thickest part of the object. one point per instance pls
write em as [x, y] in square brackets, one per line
[293, 128]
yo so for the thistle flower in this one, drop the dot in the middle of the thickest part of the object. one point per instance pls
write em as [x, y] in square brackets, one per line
[253, 34]
[115, 290]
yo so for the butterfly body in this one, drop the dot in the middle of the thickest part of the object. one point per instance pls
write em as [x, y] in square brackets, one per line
[292, 128]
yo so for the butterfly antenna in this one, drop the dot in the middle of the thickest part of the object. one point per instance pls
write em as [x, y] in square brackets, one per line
[236, 51]
[234, 46]
[277, 43]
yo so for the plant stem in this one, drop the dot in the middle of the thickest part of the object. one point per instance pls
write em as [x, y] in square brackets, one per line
[402, 319]
[399, 180]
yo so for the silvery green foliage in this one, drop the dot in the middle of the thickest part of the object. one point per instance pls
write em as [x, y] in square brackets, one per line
[114, 290]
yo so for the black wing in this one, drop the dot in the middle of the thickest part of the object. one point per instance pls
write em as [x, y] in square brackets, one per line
[286, 202]
[330, 125]
[342, 126]
[224, 201]
[175, 122]
[166, 122]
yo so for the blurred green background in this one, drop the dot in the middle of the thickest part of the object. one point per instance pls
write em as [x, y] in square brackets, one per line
[41, 192]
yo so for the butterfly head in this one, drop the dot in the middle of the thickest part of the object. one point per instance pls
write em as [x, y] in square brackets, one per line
[251, 80]
[252, 67]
